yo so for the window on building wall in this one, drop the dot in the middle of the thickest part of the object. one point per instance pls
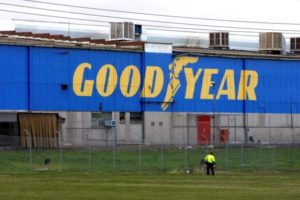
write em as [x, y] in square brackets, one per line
[136, 117]
[98, 118]
[122, 118]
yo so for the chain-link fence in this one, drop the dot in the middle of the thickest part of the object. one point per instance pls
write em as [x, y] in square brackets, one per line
[184, 129]
[138, 158]
[162, 142]
[249, 129]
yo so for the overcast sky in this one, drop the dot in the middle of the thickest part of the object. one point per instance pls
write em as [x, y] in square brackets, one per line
[262, 10]
[286, 11]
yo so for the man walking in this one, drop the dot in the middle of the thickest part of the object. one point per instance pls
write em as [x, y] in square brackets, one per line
[210, 162]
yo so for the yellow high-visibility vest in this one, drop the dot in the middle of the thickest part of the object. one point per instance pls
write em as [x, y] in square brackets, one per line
[210, 158]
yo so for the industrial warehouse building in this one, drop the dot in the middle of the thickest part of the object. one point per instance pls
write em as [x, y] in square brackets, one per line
[57, 90]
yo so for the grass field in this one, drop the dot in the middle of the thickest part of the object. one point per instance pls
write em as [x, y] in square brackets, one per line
[241, 173]
[225, 185]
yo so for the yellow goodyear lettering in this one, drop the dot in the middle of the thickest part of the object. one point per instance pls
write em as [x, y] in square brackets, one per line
[191, 80]
[152, 88]
[129, 84]
[247, 85]
[80, 87]
[107, 79]
[228, 78]
[206, 84]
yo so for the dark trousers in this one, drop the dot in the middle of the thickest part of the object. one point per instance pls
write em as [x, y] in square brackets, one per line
[210, 166]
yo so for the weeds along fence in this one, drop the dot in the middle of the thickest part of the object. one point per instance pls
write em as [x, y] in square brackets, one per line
[140, 158]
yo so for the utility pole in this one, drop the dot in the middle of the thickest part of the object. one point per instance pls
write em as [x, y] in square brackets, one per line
[213, 84]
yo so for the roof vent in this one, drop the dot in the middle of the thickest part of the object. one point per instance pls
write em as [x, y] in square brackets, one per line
[219, 40]
[138, 31]
[295, 45]
[271, 42]
[122, 31]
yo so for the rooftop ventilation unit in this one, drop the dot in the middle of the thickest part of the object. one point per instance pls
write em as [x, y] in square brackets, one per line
[219, 40]
[272, 42]
[122, 31]
[295, 45]
[138, 31]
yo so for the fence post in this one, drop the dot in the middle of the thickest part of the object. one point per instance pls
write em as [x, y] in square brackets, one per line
[235, 129]
[90, 159]
[226, 146]
[292, 142]
[242, 157]
[260, 156]
[293, 134]
[140, 158]
[114, 157]
[270, 131]
[161, 157]
[274, 157]
[289, 156]
[185, 159]
[30, 149]
[227, 141]
[61, 150]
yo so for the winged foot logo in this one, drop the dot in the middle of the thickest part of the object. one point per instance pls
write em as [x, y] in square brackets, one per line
[175, 68]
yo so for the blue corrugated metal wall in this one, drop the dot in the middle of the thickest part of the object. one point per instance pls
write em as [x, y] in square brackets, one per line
[52, 67]
[36, 78]
[13, 78]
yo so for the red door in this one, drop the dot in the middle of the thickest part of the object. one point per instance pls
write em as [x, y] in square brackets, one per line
[203, 129]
